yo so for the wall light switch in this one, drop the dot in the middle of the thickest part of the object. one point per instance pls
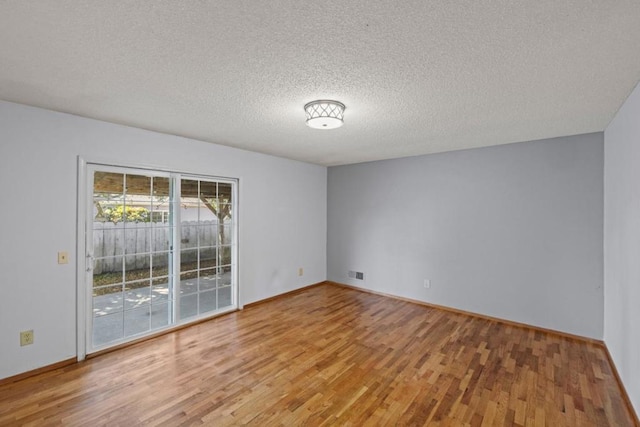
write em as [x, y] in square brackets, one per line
[63, 257]
[300, 271]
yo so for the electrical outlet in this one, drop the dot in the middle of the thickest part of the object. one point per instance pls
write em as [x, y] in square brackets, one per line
[300, 271]
[427, 284]
[26, 338]
[63, 257]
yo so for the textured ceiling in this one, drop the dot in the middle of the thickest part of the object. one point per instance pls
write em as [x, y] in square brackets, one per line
[417, 77]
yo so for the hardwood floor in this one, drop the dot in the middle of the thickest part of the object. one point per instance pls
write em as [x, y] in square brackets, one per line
[331, 356]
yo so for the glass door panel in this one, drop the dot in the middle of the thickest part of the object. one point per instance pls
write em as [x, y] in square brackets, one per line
[206, 230]
[132, 252]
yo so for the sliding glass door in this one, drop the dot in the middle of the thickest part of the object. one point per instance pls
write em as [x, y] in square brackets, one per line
[161, 251]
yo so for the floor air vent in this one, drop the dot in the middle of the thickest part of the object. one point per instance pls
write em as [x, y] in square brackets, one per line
[356, 275]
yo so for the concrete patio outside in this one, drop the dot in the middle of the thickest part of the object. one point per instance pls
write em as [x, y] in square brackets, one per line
[126, 314]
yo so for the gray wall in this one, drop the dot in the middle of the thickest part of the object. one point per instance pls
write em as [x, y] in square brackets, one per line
[622, 244]
[514, 231]
[282, 219]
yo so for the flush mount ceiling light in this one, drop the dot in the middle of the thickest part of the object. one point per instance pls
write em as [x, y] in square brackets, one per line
[324, 114]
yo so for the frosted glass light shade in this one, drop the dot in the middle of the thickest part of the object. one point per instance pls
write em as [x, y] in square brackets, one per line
[324, 114]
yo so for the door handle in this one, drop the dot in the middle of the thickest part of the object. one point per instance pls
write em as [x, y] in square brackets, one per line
[91, 261]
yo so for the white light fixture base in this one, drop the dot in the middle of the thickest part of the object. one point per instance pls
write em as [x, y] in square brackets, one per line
[324, 114]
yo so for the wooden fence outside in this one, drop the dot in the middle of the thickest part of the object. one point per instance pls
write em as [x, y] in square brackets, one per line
[113, 241]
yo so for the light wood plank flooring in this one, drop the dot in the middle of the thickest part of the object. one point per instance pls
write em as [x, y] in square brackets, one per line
[331, 356]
